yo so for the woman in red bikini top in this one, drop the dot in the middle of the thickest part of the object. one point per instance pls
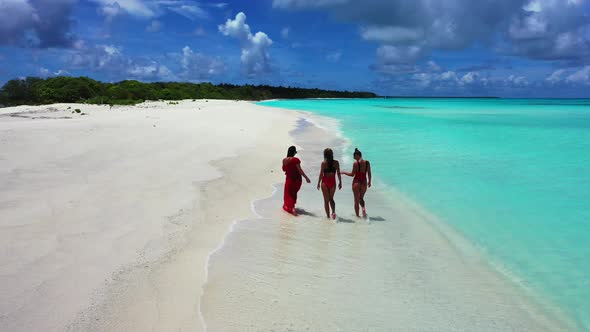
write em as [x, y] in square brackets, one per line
[361, 171]
[327, 181]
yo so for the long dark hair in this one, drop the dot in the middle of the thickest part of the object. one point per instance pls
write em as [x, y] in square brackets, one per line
[292, 151]
[329, 157]
[357, 152]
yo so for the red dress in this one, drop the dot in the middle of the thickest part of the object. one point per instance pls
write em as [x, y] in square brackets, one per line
[292, 184]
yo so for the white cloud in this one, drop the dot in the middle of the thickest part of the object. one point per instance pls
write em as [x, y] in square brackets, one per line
[97, 57]
[285, 32]
[134, 7]
[255, 58]
[190, 11]
[15, 16]
[556, 76]
[111, 62]
[537, 29]
[306, 3]
[111, 50]
[533, 6]
[423, 79]
[111, 10]
[392, 34]
[152, 8]
[449, 76]
[153, 71]
[334, 56]
[580, 76]
[433, 66]
[551, 29]
[61, 72]
[528, 27]
[469, 78]
[427, 81]
[155, 26]
[196, 66]
[219, 5]
[515, 80]
[44, 72]
[393, 55]
[237, 28]
[200, 32]
[451, 79]
[40, 24]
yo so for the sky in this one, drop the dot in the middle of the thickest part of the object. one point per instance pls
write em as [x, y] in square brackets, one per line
[506, 48]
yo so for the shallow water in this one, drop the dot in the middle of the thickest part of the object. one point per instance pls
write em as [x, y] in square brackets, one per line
[511, 176]
[393, 271]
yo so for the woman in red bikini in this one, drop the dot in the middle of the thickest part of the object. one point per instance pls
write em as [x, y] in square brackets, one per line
[327, 181]
[293, 172]
[361, 170]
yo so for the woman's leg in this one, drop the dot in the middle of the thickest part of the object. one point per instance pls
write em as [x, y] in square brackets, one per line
[362, 192]
[326, 192]
[290, 196]
[286, 196]
[332, 191]
[296, 185]
[356, 192]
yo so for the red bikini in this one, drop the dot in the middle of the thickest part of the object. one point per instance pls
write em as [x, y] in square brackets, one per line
[361, 177]
[329, 178]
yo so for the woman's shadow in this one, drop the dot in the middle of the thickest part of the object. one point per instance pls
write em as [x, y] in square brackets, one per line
[345, 220]
[303, 212]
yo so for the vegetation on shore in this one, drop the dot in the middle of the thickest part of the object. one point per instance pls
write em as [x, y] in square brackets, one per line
[63, 89]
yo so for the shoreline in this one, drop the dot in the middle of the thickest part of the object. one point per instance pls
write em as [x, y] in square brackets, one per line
[455, 238]
[223, 243]
[538, 301]
[464, 246]
[507, 293]
[535, 302]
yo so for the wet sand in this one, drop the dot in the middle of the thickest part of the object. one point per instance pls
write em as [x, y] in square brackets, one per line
[394, 271]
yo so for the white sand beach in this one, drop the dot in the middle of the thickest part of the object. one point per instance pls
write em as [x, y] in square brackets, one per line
[119, 220]
[104, 223]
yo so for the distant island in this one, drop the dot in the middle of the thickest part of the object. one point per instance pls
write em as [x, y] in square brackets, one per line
[64, 89]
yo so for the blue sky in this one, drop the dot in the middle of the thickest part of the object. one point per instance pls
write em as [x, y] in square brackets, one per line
[509, 48]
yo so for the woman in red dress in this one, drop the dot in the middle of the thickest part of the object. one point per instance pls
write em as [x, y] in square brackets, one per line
[293, 172]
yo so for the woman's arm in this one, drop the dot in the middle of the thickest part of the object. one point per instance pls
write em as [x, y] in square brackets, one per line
[303, 173]
[369, 173]
[353, 173]
[339, 176]
[321, 174]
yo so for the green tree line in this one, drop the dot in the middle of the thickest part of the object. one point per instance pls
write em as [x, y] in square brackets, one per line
[63, 89]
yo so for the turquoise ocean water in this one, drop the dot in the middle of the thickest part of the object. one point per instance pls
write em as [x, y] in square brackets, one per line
[511, 175]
